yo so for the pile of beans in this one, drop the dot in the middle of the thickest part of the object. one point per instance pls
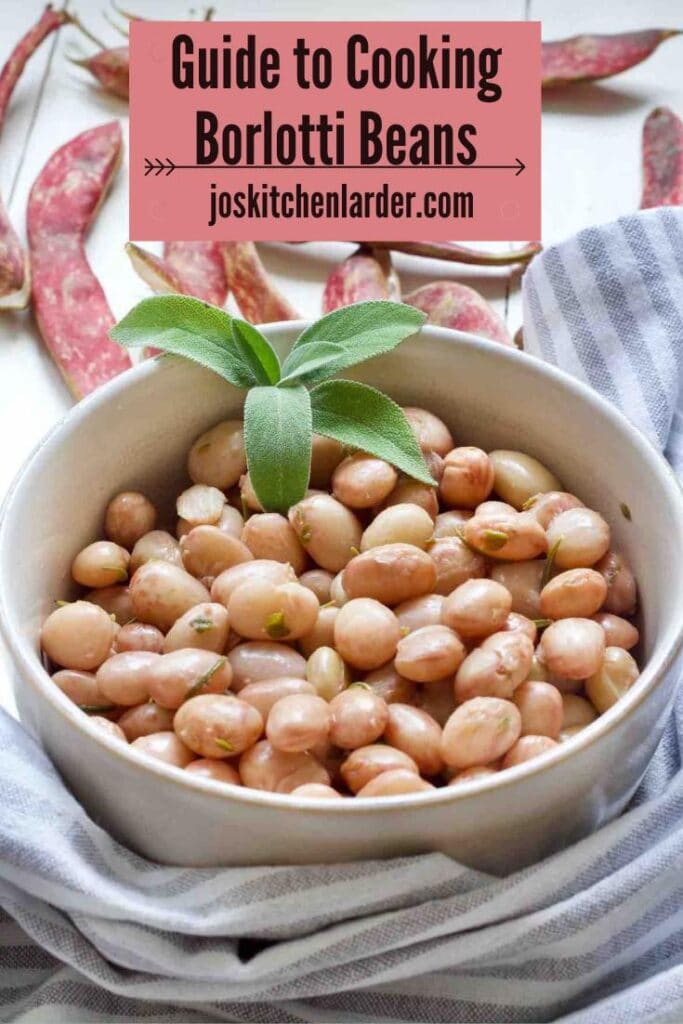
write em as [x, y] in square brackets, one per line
[385, 637]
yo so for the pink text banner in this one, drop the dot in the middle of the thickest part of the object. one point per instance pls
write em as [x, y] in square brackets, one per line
[298, 131]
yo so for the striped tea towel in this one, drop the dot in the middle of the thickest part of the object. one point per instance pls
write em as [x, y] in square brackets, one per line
[92, 932]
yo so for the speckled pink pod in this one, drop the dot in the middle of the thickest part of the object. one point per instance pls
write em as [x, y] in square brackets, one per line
[587, 58]
[111, 68]
[454, 305]
[257, 297]
[200, 268]
[662, 159]
[365, 275]
[70, 306]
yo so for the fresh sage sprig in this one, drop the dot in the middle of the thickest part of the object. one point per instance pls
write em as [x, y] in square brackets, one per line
[287, 402]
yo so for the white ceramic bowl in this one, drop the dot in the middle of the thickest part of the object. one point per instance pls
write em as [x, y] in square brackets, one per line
[135, 433]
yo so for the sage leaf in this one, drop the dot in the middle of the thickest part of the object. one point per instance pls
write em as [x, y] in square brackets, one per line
[184, 326]
[277, 437]
[358, 332]
[364, 418]
[256, 352]
[303, 364]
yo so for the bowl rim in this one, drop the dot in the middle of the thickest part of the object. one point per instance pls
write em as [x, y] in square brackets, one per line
[32, 670]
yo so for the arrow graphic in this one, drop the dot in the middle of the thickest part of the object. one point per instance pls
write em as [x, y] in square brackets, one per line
[157, 166]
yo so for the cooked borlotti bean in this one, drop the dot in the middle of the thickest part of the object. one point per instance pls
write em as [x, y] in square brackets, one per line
[467, 478]
[429, 654]
[575, 593]
[382, 637]
[362, 481]
[215, 725]
[128, 517]
[390, 573]
[399, 524]
[480, 731]
[477, 608]
[519, 477]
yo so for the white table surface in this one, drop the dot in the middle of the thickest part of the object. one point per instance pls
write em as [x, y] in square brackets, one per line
[591, 165]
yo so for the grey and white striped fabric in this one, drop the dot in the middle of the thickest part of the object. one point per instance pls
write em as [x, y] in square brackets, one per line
[92, 932]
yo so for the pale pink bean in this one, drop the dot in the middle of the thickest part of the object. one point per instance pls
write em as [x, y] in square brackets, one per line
[450, 523]
[366, 763]
[573, 648]
[362, 481]
[435, 465]
[327, 530]
[621, 585]
[217, 771]
[101, 564]
[574, 593]
[455, 563]
[200, 505]
[144, 720]
[158, 544]
[207, 551]
[337, 593]
[579, 538]
[217, 458]
[261, 610]
[248, 499]
[419, 612]
[518, 477]
[494, 508]
[270, 535]
[206, 627]
[526, 748]
[162, 592]
[523, 580]
[128, 517]
[366, 633]
[467, 478]
[394, 783]
[431, 433]
[264, 767]
[126, 678]
[411, 492]
[214, 725]
[477, 608]
[540, 705]
[496, 668]
[618, 632]
[509, 538]
[544, 507]
[520, 624]
[540, 671]
[429, 654]
[109, 728]
[326, 454]
[472, 774]
[298, 722]
[83, 689]
[417, 734]
[257, 660]
[319, 581]
[617, 674]
[327, 673]
[576, 711]
[259, 569]
[266, 693]
[399, 524]
[164, 746]
[139, 636]
[358, 717]
[479, 732]
[177, 676]
[322, 634]
[316, 791]
[80, 636]
[115, 601]
[390, 573]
